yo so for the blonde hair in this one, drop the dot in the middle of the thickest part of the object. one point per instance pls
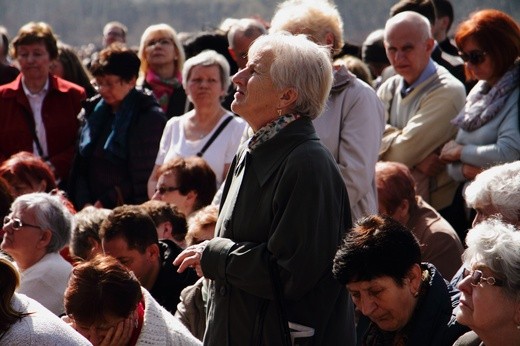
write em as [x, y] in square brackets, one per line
[9, 281]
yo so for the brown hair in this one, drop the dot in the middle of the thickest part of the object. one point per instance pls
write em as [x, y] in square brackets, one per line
[193, 174]
[496, 33]
[9, 281]
[100, 287]
[394, 184]
[36, 32]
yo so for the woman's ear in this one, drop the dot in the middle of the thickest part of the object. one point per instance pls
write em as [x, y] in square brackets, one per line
[414, 277]
[288, 98]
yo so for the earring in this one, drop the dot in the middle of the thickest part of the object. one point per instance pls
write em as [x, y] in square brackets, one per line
[279, 112]
[518, 326]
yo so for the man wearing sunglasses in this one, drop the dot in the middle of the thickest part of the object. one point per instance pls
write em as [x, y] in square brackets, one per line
[420, 102]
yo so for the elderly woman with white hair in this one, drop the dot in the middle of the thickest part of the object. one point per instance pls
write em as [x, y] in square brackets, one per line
[36, 229]
[208, 130]
[283, 212]
[490, 292]
[496, 191]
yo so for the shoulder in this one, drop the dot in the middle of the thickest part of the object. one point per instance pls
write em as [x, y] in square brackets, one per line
[469, 339]
[449, 80]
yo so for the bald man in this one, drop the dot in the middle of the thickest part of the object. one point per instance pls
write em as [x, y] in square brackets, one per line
[419, 102]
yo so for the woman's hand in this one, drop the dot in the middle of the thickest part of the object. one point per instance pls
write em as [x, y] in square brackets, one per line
[451, 151]
[119, 335]
[190, 258]
[470, 172]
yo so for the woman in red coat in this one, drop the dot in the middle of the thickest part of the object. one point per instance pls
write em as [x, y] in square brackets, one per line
[38, 111]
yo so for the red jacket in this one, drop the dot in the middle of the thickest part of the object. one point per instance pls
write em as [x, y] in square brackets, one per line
[59, 113]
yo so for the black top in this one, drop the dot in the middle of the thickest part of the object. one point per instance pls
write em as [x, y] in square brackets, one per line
[169, 284]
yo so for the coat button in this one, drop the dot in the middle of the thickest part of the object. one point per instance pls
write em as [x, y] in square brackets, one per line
[222, 290]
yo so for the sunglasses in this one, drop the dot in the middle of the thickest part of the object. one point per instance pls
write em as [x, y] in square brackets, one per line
[475, 57]
[477, 278]
[17, 223]
[164, 189]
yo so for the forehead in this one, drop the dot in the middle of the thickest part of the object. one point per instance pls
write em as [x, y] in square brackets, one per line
[403, 34]
[212, 70]
[262, 57]
[383, 281]
[40, 45]
[158, 34]
[117, 247]
[167, 178]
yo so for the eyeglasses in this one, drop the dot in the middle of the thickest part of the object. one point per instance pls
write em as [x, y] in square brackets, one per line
[477, 278]
[106, 84]
[475, 57]
[17, 223]
[160, 42]
[164, 189]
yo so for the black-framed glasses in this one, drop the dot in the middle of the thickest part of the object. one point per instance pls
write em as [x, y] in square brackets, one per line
[477, 278]
[16, 223]
[475, 57]
[164, 189]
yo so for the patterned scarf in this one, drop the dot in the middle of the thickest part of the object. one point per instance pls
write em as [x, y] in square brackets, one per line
[485, 102]
[162, 88]
[271, 129]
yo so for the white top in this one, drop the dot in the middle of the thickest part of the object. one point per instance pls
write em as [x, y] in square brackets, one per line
[162, 328]
[46, 281]
[220, 152]
[40, 328]
[36, 102]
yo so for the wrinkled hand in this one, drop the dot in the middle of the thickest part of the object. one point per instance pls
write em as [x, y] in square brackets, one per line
[451, 152]
[190, 258]
[121, 334]
[431, 165]
[470, 172]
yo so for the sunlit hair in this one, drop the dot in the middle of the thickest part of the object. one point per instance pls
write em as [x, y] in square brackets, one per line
[300, 64]
[419, 22]
[118, 60]
[377, 246]
[425, 8]
[99, 288]
[496, 33]
[355, 65]
[498, 186]
[166, 31]
[27, 167]
[131, 223]
[86, 227]
[315, 18]
[36, 32]
[192, 174]
[161, 211]
[50, 213]
[207, 58]
[9, 281]
[394, 183]
[496, 245]
[200, 223]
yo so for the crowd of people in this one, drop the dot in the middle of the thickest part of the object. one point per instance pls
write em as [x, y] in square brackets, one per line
[267, 183]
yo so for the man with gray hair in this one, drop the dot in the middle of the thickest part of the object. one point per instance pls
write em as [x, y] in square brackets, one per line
[420, 100]
[241, 35]
[36, 229]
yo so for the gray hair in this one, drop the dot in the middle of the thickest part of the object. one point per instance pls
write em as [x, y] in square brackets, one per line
[498, 186]
[207, 58]
[50, 213]
[300, 64]
[86, 225]
[248, 26]
[496, 245]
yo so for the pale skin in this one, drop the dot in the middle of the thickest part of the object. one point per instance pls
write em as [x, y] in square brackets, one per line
[117, 333]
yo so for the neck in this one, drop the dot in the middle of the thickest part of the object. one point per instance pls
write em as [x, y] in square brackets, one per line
[208, 115]
[504, 336]
[165, 71]
[35, 86]
[25, 262]
[149, 281]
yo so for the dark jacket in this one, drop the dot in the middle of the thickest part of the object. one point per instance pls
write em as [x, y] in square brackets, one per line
[59, 111]
[8, 73]
[168, 286]
[97, 175]
[429, 322]
[292, 207]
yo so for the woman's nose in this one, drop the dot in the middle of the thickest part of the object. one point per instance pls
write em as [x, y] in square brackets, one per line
[367, 306]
